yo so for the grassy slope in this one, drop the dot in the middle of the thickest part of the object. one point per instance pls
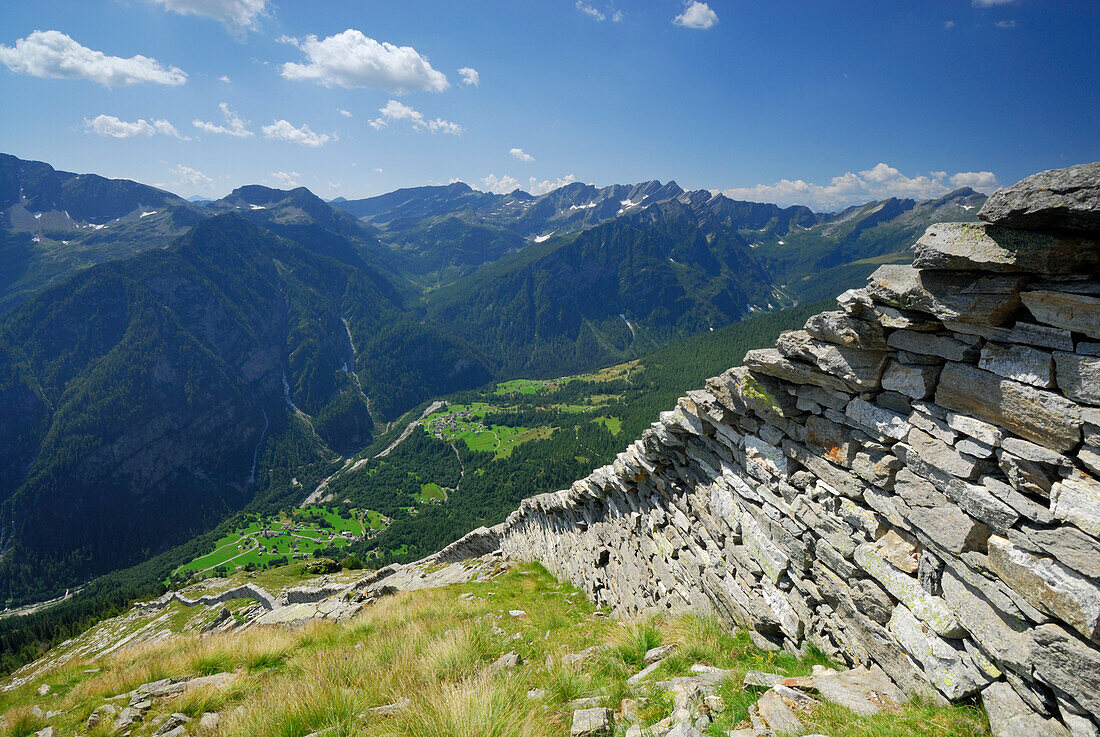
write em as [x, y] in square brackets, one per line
[436, 648]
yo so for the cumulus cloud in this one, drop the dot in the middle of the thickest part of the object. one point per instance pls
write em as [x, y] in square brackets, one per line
[519, 153]
[536, 187]
[617, 16]
[286, 179]
[991, 3]
[109, 125]
[194, 177]
[696, 15]
[589, 10]
[949, 24]
[983, 181]
[501, 185]
[225, 79]
[353, 60]
[343, 112]
[395, 111]
[54, 54]
[879, 182]
[470, 77]
[236, 15]
[282, 130]
[233, 125]
[506, 184]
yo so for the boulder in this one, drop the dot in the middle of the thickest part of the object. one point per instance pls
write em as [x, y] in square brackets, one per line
[930, 511]
[1048, 585]
[879, 421]
[1076, 499]
[929, 344]
[931, 610]
[771, 362]
[508, 661]
[949, 668]
[1019, 363]
[975, 428]
[948, 295]
[779, 712]
[1064, 199]
[1004, 636]
[838, 328]
[1041, 416]
[1068, 663]
[1075, 312]
[591, 723]
[861, 370]
[657, 653]
[1009, 716]
[866, 691]
[916, 382]
[1079, 377]
[981, 247]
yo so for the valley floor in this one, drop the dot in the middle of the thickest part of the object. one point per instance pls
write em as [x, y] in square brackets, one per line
[475, 648]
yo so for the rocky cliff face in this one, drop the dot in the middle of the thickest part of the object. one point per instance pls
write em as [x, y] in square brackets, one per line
[909, 481]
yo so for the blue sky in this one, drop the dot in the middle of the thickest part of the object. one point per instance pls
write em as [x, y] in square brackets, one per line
[817, 102]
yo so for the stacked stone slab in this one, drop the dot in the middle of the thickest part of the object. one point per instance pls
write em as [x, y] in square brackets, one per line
[909, 481]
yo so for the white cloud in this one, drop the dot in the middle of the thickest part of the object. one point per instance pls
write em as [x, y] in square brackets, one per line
[548, 185]
[983, 181]
[617, 16]
[225, 79]
[352, 60]
[109, 125]
[343, 112]
[282, 130]
[378, 170]
[502, 185]
[949, 24]
[286, 179]
[470, 77]
[1004, 24]
[236, 15]
[696, 15]
[879, 182]
[54, 54]
[519, 153]
[194, 177]
[589, 10]
[234, 126]
[395, 111]
[991, 3]
[506, 184]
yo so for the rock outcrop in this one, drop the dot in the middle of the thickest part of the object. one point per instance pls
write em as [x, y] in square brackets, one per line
[909, 482]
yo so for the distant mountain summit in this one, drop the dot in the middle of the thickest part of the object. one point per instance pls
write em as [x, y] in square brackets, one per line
[169, 361]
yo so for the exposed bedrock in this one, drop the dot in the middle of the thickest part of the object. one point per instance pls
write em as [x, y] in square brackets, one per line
[910, 481]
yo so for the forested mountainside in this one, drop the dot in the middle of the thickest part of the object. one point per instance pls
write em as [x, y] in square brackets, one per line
[236, 352]
[157, 394]
[560, 439]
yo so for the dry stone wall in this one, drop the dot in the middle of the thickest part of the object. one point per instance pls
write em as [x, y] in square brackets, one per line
[910, 480]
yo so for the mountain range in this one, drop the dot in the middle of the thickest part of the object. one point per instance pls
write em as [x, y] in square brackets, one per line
[165, 362]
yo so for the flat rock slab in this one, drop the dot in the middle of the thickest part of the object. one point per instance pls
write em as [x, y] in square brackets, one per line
[779, 713]
[947, 295]
[1040, 416]
[591, 723]
[1009, 716]
[981, 247]
[864, 691]
[1066, 199]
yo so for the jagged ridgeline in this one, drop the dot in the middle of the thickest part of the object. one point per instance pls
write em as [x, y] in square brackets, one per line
[169, 363]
